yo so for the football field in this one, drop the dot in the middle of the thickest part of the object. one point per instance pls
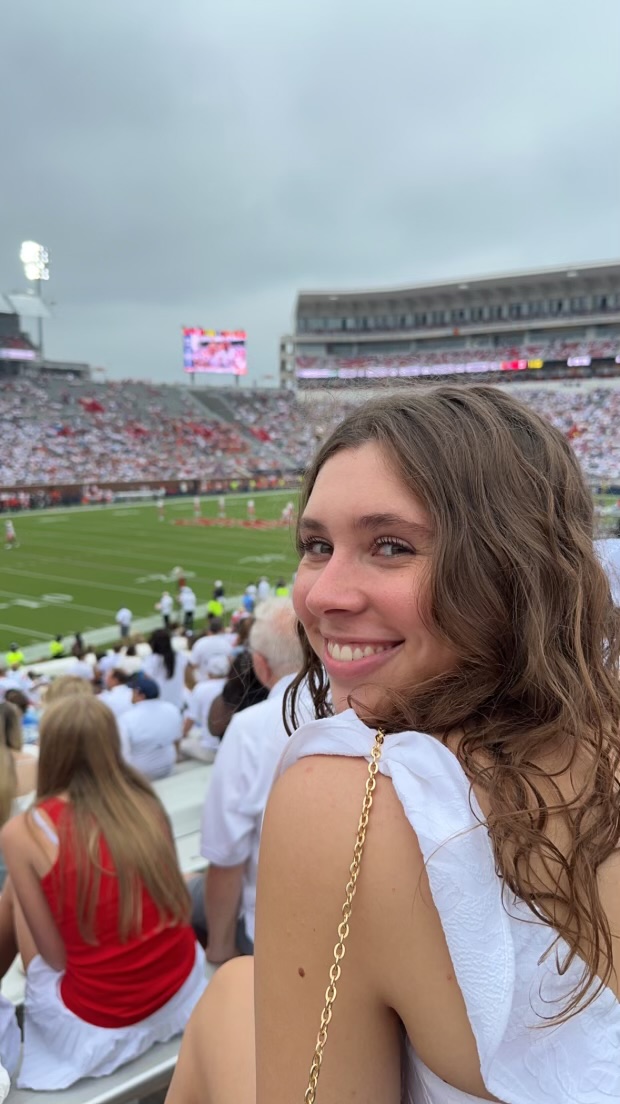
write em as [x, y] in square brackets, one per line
[73, 569]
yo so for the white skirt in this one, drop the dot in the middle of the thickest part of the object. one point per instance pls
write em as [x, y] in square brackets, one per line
[60, 1048]
[10, 1043]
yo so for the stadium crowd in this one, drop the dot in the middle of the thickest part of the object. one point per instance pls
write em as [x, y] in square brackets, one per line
[559, 350]
[170, 700]
[128, 432]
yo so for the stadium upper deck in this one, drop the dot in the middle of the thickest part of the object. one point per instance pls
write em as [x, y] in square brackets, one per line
[560, 321]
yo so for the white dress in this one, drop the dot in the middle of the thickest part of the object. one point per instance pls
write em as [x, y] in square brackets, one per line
[495, 942]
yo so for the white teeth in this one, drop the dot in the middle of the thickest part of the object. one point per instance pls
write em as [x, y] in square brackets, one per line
[347, 653]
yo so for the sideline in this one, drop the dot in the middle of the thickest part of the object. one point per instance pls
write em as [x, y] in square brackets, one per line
[172, 501]
[96, 638]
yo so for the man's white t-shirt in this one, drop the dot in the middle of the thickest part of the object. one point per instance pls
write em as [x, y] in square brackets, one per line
[170, 689]
[240, 783]
[263, 590]
[119, 699]
[187, 600]
[208, 646]
[200, 701]
[123, 616]
[148, 733]
[109, 661]
[166, 605]
[79, 668]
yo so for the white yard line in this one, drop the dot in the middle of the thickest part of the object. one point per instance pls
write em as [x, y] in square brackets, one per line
[21, 631]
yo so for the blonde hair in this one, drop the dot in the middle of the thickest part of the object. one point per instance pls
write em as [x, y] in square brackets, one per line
[66, 686]
[80, 756]
[10, 740]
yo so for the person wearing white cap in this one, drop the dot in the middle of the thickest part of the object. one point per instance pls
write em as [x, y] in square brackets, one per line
[204, 745]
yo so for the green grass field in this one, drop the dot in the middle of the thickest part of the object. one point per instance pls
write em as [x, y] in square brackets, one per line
[73, 569]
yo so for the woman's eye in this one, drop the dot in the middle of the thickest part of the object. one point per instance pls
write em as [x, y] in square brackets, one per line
[389, 547]
[314, 546]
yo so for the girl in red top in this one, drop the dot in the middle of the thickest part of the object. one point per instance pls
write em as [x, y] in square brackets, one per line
[99, 907]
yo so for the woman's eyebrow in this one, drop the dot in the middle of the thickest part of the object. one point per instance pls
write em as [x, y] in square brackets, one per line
[307, 524]
[373, 521]
[382, 521]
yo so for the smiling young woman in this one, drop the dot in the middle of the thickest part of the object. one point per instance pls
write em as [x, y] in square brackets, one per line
[448, 593]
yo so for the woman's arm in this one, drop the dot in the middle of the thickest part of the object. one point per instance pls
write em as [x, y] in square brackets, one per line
[22, 857]
[306, 851]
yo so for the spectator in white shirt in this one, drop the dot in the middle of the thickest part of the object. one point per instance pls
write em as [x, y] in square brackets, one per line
[150, 730]
[117, 695]
[167, 667]
[110, 660]
[203, 745]
[165, 607]
[263, 589]
[224, 900]
[80, 668]
[216, 642]
[123, 620]
[187, 602]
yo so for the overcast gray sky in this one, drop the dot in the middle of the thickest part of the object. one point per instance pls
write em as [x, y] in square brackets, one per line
[193, 163]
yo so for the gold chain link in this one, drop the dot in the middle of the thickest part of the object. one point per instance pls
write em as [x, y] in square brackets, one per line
[343, 927]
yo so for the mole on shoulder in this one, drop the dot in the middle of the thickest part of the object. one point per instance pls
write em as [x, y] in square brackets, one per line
[301, 971]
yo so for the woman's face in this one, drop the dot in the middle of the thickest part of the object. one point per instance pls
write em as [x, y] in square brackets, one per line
[361, 591]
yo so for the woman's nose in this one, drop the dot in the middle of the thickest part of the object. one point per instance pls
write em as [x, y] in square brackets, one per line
[338, 586]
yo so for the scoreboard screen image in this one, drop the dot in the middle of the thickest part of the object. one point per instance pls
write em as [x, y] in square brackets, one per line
[219, 351]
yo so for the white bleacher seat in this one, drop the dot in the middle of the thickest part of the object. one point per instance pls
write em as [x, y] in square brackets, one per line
[147, 1074]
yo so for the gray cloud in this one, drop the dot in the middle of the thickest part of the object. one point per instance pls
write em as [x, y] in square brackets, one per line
[198, 166]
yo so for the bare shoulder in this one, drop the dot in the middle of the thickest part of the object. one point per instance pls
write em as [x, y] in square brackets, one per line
[397, 969]
[307, 845]
[14, 834]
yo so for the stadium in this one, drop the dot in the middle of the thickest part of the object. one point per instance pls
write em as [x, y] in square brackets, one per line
[148, 559]
[113, 449]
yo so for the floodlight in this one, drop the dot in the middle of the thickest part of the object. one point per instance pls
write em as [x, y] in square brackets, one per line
[35, 259]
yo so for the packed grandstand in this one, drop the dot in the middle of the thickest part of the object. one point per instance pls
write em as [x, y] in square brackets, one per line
[63, 432]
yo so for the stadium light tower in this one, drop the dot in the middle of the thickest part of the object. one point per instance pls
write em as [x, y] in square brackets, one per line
[35, 259]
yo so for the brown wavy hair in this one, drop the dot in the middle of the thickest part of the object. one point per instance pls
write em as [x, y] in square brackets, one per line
[517, 591]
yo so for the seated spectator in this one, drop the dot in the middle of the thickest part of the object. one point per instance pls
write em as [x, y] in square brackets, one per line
[215, 642]
[24, 765]
[167, 667]
[80, 667]
[117, 695]
[151, 730]
[29, 717]
[204, 745]
[13, 679]
[241, 690]
[224, 900]
[112, 966]
[111, 659]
